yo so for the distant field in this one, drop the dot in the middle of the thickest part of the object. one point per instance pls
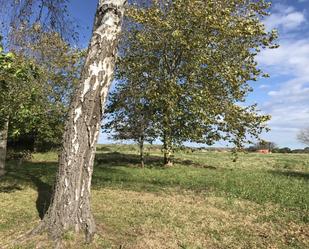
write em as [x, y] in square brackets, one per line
[205, 201]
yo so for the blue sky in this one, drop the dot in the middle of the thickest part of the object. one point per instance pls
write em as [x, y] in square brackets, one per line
[285, 95]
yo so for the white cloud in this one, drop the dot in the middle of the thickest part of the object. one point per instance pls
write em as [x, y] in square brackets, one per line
[285, 17]
[292, 57]
[287, 120]
[292, 117]
[288, 101]
[264, 86]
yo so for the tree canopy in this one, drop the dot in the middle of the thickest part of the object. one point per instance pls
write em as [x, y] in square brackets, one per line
[195, 60]
[36, 89]
[20, 17]
[38, 32]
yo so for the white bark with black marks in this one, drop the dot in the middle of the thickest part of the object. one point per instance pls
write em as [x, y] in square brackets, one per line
[70, 207]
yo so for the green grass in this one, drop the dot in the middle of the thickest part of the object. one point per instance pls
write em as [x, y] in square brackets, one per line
[204, 201]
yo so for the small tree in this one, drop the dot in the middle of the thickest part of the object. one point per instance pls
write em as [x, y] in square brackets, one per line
[303, 136]
[263, 145]
[18, 91]
[36, 89]
[59, 67]
[35, 32]
[5, 71]
[129, 115]
[197, 58]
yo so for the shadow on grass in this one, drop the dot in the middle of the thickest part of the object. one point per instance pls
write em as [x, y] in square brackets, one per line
[290, 173]
[41, 175]
[133, 160]
[258, 186]
[104, 148]
[126, 160]
[30, 174]
[10, 189]
[44, 195]
[121, 170]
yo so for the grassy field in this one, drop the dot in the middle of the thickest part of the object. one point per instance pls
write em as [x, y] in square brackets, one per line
[204, 201]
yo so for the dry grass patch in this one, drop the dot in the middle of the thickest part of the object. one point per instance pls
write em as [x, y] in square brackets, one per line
[189, 220]
[261, 201]
[165, 220]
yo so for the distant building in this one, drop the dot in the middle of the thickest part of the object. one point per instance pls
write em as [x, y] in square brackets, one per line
[264, 151]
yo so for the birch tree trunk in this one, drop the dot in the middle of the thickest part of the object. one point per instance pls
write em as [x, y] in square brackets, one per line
[70, 207]
[3, 145]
